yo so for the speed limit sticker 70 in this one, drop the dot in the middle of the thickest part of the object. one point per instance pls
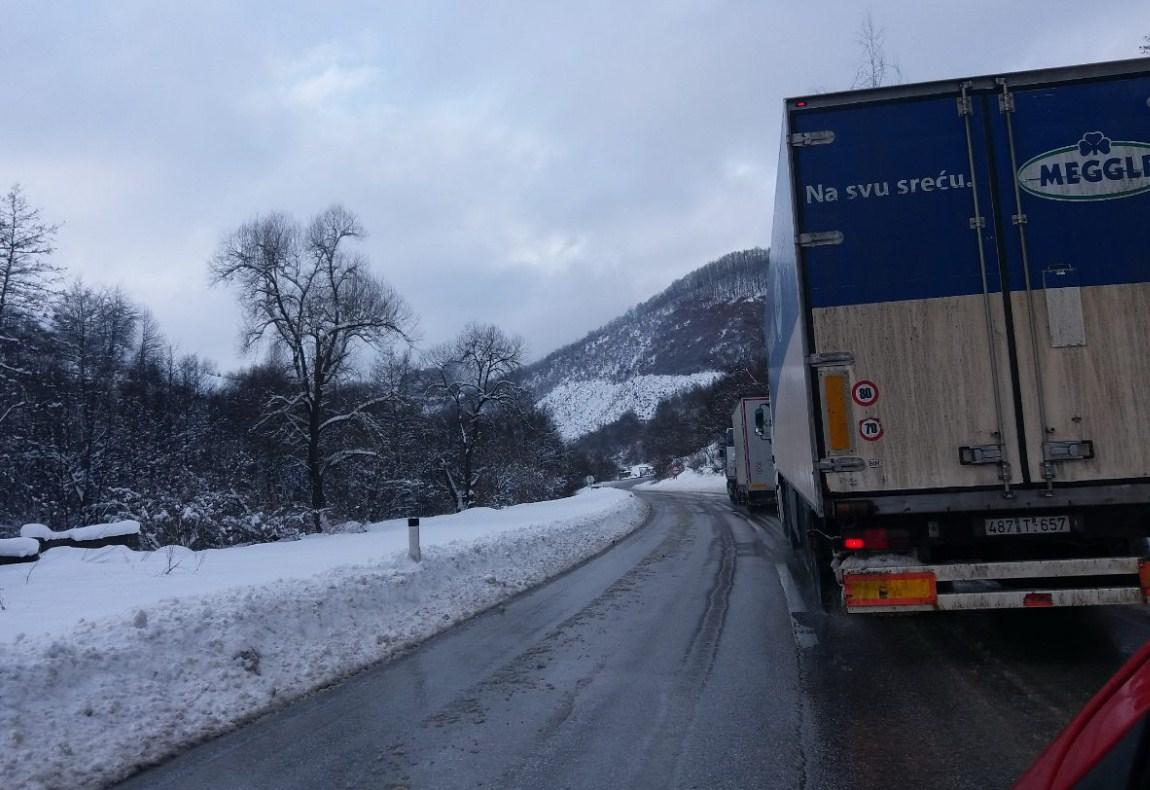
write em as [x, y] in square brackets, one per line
[870, 429]
[864, 392]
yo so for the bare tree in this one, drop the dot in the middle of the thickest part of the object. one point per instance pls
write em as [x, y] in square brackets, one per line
[301, 288]
[473, 383]
[876, 68]
[26, 277]
[26, 274]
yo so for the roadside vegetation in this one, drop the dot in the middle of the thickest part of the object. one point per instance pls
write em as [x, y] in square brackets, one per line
[337, 417]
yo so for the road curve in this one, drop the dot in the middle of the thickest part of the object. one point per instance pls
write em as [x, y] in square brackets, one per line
[686, 657]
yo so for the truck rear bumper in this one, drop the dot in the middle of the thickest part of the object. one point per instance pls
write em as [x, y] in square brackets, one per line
[763, 498]
[952, 587]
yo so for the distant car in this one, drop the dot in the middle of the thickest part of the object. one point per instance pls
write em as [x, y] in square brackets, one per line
[1107, 745]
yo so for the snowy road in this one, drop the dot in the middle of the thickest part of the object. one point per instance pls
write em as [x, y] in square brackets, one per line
[683, 657]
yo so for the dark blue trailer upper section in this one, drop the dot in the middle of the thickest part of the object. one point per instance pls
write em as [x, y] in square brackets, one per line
[1079, 148]
[912, 185]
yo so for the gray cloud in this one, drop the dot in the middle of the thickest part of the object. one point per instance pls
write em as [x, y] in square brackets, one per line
[539, 165]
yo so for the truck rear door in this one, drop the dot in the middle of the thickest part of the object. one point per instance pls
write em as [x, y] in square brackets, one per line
[1074, 236]
[901, 274]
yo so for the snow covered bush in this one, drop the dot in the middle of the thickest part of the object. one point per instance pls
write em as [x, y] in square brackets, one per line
[209, 520]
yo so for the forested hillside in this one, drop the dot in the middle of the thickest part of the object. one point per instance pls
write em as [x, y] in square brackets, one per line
[701, 327]
[708, 320]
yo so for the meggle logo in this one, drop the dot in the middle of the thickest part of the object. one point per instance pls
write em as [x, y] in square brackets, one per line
[1095, 168]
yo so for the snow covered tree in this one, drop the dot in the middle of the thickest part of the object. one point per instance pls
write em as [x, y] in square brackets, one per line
[472, 383]
[1145, 46]
[93, 333]
[302, 289]
[876, 68]
[525, 458]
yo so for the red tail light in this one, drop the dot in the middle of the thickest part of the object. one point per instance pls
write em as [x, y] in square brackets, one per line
[854, 544]
[1038, 599]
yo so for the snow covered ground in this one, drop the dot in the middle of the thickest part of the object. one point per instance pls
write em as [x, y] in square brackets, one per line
[580, 407]
[688, 480]
[111, 659]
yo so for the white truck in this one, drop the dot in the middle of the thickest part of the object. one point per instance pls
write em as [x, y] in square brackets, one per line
[958, 336]
[754, 466]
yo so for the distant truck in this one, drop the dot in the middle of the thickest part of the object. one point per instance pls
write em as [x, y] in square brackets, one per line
[753, 483]
[957, 336]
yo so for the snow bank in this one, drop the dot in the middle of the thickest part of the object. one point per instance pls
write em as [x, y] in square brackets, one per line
[19, 547]
[688, 480]
[111, 659]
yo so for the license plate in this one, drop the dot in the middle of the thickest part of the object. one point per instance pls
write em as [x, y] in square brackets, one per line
[1027, 525]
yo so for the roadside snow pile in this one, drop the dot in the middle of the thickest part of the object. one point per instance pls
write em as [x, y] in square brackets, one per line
[689, 480]
[112, 659]
[580, 407]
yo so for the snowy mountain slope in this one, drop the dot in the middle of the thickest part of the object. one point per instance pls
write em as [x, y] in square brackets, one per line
[703, 324]
[580, 407]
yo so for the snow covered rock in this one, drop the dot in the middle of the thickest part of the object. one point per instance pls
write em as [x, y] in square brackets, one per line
[19, 547]
[41, 532]
[116, 529]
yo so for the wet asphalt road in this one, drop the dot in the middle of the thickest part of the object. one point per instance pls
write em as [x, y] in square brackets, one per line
[687, 656]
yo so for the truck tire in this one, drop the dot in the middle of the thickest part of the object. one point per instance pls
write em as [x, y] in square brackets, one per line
[818, 556]
[788, 516]
[826, 585]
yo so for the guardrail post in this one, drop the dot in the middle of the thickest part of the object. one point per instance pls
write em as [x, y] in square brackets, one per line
[413, 539]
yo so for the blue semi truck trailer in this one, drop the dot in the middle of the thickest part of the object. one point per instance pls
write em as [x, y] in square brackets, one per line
[959, 340]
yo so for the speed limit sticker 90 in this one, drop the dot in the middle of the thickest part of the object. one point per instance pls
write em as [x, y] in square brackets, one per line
[864, 392]
[870, 429]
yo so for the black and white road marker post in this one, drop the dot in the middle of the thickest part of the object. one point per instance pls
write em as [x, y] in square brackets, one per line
[413, 539]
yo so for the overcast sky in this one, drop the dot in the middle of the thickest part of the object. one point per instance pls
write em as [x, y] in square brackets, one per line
[538, 165]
